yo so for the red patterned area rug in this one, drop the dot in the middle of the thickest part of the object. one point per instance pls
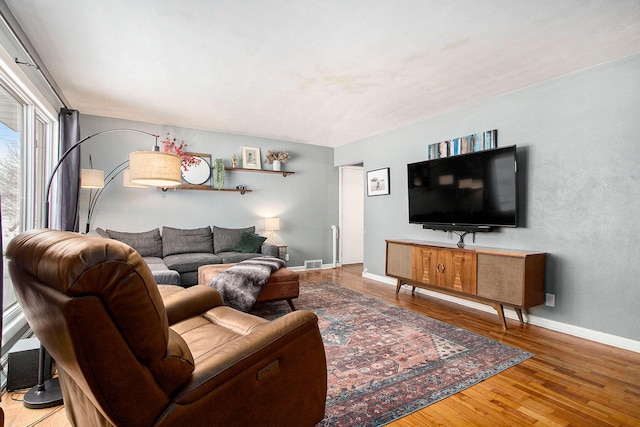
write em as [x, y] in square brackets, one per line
[385, 362]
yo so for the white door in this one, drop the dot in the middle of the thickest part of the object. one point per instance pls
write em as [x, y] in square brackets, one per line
[351, 215]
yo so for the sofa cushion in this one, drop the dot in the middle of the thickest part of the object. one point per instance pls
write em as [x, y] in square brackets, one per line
[183, 241]
[233, 257]
[146, 243]
[154, 262]
[249, 243]
[225, 239]
[183, 263]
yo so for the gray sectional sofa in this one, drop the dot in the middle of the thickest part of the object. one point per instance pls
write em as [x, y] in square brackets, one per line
[184, 250]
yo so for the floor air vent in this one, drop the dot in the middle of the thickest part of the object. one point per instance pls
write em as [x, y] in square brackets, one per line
[313, 264]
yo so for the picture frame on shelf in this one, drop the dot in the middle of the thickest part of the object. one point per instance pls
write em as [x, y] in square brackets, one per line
[199, 174]
[378, 182]
[251, 158]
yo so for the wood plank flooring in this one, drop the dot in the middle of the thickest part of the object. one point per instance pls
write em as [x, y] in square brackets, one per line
[570, 381]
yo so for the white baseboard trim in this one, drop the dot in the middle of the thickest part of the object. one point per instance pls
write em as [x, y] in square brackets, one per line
[576, 331]
[301, 267]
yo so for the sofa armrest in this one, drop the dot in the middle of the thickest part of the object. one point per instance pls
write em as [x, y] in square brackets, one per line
[182, 303]
[269, 249]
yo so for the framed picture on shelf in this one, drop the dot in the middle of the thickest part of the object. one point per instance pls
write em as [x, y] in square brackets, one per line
[251, 158]
[200, 173]
[378, 182]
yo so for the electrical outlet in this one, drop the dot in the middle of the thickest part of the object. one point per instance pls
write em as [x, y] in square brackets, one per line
[286, 257]
[550, 300]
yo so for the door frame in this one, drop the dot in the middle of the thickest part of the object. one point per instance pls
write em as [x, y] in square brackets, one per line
[359, 167]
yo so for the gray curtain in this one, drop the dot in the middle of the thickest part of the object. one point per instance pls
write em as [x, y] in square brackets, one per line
[64, 212]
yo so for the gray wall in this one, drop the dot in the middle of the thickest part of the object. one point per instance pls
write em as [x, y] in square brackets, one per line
[306, 202]
[579, 163]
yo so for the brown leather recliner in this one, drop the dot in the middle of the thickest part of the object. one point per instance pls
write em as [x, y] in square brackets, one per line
[95, 307]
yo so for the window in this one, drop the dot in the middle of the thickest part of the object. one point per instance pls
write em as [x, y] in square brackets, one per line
[27, 130]
[10, 179]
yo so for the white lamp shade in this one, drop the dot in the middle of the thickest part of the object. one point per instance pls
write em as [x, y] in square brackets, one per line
[154, 168]
[91, 178]
[272, 224]
[126, 180]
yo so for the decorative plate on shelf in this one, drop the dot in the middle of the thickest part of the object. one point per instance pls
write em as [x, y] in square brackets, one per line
[198, 174]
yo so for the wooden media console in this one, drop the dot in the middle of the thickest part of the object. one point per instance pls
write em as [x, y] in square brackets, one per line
[497, 277]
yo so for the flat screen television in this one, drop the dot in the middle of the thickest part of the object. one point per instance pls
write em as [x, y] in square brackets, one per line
[469, 192]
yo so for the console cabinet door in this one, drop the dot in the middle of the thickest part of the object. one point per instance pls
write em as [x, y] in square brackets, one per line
[426, 265]
[501, 278]
[458, 271]
[454, 270]
[513, 280]
[399, 260]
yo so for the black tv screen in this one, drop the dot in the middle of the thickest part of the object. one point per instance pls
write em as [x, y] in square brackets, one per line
[469, 192]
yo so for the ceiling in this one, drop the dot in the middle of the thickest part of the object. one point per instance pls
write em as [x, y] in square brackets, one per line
[324, 72]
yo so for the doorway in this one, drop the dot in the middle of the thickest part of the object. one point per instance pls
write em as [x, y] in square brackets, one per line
[351, 242]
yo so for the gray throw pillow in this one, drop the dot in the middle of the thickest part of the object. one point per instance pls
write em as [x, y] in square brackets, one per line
[225, 239]
[184, 241]
[146, 243]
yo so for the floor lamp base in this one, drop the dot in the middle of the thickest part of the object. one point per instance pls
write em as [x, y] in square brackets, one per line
[44, 396]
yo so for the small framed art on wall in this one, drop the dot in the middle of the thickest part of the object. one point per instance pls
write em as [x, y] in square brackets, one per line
[378, 182]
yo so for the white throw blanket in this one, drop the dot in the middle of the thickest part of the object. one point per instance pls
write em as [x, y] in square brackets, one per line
[241, 284]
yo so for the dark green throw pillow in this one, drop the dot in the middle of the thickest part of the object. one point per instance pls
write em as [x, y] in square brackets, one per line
[249, 243]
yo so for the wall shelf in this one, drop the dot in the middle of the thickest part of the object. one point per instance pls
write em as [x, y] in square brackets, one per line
[211, 188]
[283, 173]
[205, 188]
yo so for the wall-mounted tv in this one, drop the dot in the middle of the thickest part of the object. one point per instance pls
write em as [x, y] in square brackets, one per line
[469, 192]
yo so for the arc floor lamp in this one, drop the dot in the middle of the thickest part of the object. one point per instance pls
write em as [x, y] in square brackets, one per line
[95, 179]
[150, 168]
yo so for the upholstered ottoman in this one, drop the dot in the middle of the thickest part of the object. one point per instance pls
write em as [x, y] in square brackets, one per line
[282, 284]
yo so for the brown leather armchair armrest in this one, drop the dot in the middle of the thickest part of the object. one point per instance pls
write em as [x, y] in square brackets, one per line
[275, 366]
[182, 303]
[284, 354]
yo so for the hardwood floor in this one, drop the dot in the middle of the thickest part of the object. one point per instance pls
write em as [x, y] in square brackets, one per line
[569, 381]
